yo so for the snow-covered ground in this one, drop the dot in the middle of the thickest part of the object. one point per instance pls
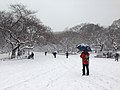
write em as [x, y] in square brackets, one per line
[48, 73]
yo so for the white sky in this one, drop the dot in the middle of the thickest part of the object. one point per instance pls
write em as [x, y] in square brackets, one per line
[59, 14]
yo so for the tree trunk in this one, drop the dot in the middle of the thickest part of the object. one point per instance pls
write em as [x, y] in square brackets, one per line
[14, 51]
[102, 46]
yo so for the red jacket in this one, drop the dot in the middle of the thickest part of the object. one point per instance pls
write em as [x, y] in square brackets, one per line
[83, 56]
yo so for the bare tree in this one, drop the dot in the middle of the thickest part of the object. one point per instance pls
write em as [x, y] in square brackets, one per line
[20, 27]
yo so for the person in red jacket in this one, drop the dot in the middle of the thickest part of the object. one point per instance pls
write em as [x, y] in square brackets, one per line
[85, 61]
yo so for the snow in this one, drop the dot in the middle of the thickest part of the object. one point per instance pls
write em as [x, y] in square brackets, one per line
[49, 73]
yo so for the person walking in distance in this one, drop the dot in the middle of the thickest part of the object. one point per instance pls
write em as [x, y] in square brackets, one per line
[54, 54]
[67, 54]
[45, 53]
[116, 56]
[85, 62]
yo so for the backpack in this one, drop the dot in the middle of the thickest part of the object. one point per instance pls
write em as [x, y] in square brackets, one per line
[86, 57]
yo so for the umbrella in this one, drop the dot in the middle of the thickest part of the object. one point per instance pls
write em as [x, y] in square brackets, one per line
[83, 47]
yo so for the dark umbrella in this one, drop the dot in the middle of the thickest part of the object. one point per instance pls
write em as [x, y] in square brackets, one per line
[84, 48]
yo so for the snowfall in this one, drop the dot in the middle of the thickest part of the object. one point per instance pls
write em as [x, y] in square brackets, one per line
[60, 73]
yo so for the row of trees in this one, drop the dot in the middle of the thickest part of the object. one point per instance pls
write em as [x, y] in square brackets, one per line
[92, 34]
[20, 27]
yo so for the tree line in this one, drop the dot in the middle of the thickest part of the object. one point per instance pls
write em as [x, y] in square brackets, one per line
[107, 38]
[20, 27]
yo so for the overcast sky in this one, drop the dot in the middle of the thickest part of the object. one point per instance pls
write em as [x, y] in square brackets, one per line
[59, 14]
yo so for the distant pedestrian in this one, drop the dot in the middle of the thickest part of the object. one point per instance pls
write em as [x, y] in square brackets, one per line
[85, 62]
[54, 54]
[31, 56]
[67, 54]
[45, 53]
[116, 56]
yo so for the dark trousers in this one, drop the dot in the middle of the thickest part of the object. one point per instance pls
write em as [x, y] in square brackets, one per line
[116, 58]
[87, 68]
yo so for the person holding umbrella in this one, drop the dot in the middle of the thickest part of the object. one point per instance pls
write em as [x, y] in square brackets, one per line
[85, 62]
[85, 57]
